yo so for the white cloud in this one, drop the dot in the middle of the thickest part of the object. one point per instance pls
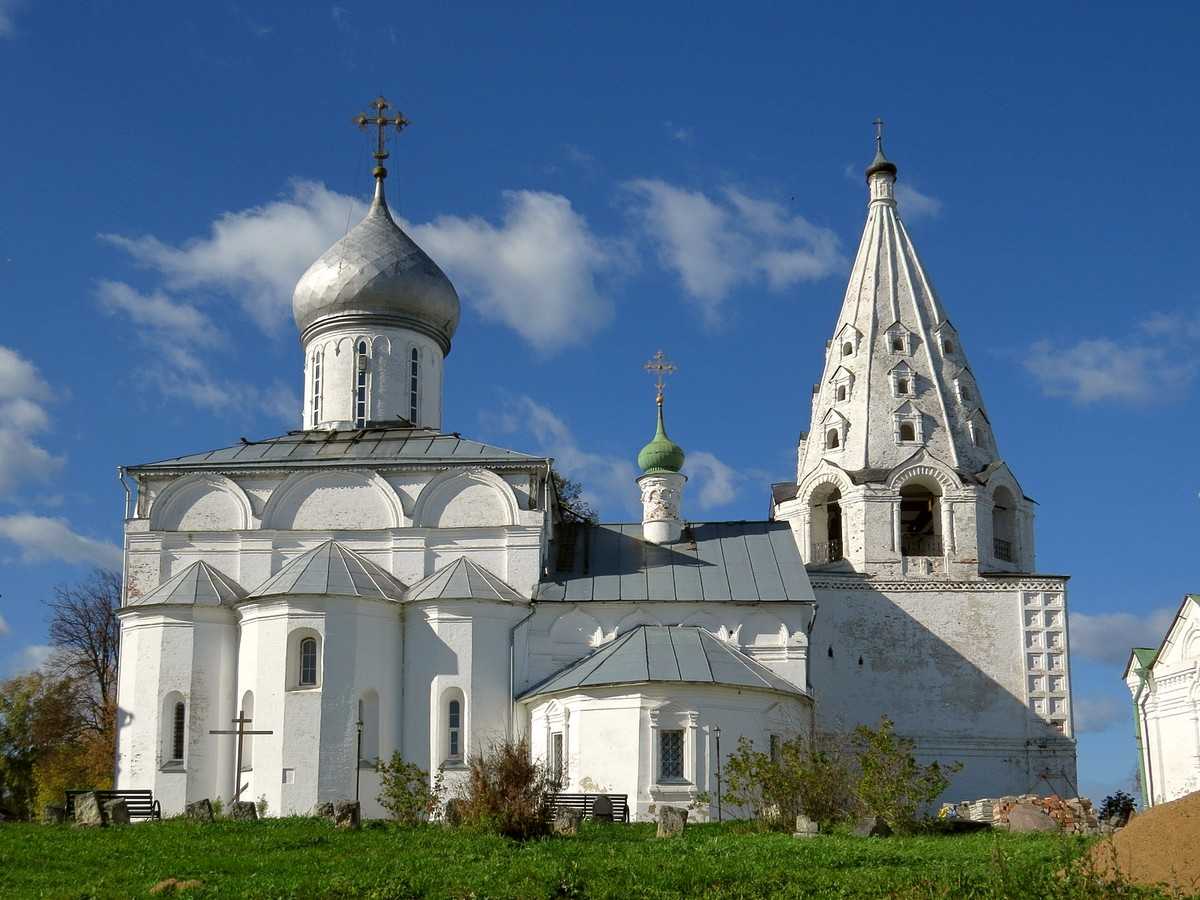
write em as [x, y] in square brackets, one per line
[717, 244]
[175, 333]
[913, 204]
[157, 312]
[8, 11]
[712, 483]
[23, 395]
[42, 539]
[255, 255]
[27, 659]
[537, 272]
[1098, 713]
[1098, 369]
[1108, 637]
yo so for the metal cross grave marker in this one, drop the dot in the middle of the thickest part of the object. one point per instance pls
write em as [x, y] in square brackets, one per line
[241, 731]
[660, 365]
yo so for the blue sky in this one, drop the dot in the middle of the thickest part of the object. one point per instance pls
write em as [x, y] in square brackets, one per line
[600, 185]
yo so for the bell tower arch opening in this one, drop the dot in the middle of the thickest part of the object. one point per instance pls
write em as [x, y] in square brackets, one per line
[825, 523]
[921, 519]
[1004, 530]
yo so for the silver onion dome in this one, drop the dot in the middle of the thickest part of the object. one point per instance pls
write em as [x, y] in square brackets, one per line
[377, 273]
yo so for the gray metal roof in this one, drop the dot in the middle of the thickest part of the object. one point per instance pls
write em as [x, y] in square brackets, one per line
[198, 584]
[377, 443]
[742, 562]
[665, 653]
[331, 568]
[463, 580]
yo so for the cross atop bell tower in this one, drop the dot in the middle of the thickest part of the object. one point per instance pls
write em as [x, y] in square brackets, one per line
[382, 121]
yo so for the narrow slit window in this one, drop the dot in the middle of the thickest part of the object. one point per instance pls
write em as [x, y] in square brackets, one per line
[308, 662]
[454, 729]
[775, 749]
[316, 388]
[414, 379]
[901, 385]
[948, 346]
[847, 349]
[557, 760]
[832, 442]
[841, 392]
[178, 724]
[360, 386]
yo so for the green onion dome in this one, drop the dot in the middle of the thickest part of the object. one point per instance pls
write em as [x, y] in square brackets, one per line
[662, 454]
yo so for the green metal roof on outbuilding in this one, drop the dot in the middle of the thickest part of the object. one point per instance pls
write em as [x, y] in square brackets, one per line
[665, 653]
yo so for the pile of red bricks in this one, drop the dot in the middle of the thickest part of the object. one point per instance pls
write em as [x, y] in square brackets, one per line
[1074, 815]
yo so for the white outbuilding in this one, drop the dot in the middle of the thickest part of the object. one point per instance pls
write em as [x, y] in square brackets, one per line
[1165, 685]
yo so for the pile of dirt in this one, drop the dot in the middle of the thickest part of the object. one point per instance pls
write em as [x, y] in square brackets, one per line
[1156, 847]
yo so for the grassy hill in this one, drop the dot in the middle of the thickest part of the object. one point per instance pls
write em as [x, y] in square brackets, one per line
[308, 858]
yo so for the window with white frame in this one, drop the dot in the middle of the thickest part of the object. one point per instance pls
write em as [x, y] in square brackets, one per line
[843, 384]
[835, 427]
[833, 440]
[454, 747]
[965, 394]
[316, 387]
[360, 385]
[558, 759]
[904, 381]
[898, 339]
[414, 383]
[308, 662]
[908, 425]
[670, 755]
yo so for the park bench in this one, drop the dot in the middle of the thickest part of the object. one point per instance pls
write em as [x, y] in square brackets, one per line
[584, 803]
[141, 803]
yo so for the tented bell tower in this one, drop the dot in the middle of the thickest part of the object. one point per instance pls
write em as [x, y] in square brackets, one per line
[900, 471]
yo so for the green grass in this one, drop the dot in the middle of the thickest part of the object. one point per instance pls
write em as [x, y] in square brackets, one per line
[308, 858]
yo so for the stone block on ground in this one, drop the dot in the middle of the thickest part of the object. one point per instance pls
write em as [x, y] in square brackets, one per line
[805, 827]
[872, 826]
[1026, 817]
[199, 811]
[87, 811]
[54, 815]
[116, 812]
[671, 821]
[243, 811]
[347, 814]
[602, 810]
[567, 821]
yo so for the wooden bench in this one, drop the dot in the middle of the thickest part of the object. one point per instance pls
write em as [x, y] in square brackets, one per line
[141, 803]
[585, 802]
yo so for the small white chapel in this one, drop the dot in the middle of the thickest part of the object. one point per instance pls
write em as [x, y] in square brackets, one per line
[374, 581]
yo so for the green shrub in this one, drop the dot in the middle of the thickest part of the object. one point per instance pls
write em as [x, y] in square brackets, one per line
[506, 791]
[891, 783]
[405, 791]
[810, 776]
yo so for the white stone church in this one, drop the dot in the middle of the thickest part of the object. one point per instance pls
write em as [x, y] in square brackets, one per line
[374, 567]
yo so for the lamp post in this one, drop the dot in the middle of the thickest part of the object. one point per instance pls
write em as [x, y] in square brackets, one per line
[717, 735]
[358, 756]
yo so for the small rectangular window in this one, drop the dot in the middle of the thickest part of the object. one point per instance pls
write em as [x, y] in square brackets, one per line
[454, 730]
[670, 764]
[558, 768]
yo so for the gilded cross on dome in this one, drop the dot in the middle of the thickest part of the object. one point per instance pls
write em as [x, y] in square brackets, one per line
[381, 121]
[661, 366]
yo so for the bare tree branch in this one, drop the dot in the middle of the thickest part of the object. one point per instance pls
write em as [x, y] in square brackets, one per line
[85, 631]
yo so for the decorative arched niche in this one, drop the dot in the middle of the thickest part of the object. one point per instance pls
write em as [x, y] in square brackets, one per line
[472, 498]
[333, 501]
[201, 502]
